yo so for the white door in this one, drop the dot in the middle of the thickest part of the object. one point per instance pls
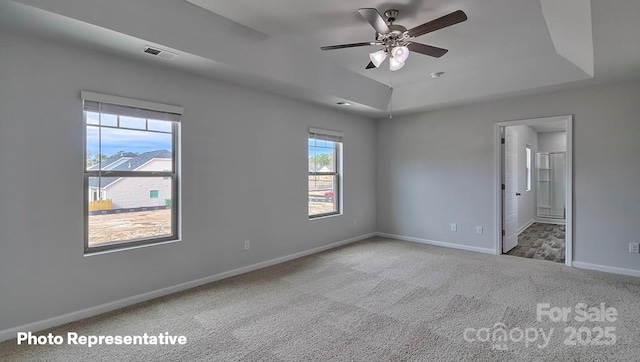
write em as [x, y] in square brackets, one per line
[509, 195]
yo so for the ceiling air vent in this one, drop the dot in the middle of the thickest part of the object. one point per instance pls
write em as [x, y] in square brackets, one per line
[161, 53]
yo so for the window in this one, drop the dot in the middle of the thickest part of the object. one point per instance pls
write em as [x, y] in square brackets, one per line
[130, 172]
[528, 154]
[325, 163]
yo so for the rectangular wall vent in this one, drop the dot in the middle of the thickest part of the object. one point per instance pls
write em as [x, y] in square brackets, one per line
[151, 51]
[161, 53]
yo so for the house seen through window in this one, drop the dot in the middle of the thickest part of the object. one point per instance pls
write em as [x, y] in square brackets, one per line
[131, 181]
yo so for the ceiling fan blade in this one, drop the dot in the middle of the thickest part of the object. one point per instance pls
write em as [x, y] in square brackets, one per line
[439, 23]
[342, 46]
[373, 17]
[370, 65]
[427, 50]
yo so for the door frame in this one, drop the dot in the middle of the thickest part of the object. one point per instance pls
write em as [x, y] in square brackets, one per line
[568, 119]
[510, 193]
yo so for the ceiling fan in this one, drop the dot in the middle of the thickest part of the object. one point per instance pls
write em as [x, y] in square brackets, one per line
[396, 40]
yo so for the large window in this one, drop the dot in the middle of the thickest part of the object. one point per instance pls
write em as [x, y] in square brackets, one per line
[325, 163]
[130, 172]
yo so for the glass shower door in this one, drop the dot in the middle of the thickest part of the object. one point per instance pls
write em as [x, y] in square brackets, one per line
[557, 166]
[551, 185]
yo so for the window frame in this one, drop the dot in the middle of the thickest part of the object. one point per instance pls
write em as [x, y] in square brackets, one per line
[173, 174]
[528, 164]
[337, 174]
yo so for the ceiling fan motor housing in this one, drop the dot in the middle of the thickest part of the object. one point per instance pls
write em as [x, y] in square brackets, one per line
[398, 34]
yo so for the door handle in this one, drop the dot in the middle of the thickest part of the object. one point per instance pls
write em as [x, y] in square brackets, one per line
[518, 194]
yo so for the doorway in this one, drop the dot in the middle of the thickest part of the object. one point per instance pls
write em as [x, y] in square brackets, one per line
[534, 183]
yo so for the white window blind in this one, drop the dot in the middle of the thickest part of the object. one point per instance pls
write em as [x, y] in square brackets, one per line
[105, 103]
[326, 135]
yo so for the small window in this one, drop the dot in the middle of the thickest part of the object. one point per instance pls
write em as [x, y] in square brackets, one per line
[325, 163]
[528, 154]
[131, 180]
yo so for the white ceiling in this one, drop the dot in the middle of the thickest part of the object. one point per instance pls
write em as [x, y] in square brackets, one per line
[506, 47]
[545, 127]
[471, 45]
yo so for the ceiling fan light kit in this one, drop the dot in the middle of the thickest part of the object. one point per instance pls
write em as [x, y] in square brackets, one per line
[396, 41]
[400, 53]
[394, 64]
[378, 57]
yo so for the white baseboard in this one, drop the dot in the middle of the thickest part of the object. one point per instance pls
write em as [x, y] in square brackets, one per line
[529, 223]
[608, 269]
[438, 243]
[543, 220]
[11, 333]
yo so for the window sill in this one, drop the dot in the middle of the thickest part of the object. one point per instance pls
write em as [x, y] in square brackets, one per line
[324, 216]
[90, 252]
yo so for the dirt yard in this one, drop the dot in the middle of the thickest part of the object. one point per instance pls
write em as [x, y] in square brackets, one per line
[320, 207]
[144, 224]
[129, 226]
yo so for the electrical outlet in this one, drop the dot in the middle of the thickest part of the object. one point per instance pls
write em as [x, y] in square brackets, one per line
[247, 245]
[454, 226]
[479, 230]
[355, 221]
[634, 248]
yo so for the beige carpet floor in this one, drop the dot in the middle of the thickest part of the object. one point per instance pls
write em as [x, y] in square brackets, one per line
[375, 300]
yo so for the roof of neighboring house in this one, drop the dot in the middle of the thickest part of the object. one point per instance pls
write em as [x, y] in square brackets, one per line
[321, 169]
[110, 163]
[129, 164]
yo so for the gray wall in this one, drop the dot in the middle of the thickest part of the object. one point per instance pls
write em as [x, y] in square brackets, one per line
[552, 141]
[527, 200]
[244, 168]
[437, 167]
[244, 176]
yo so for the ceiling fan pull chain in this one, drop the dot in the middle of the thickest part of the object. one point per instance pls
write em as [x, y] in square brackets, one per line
[390, 96]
